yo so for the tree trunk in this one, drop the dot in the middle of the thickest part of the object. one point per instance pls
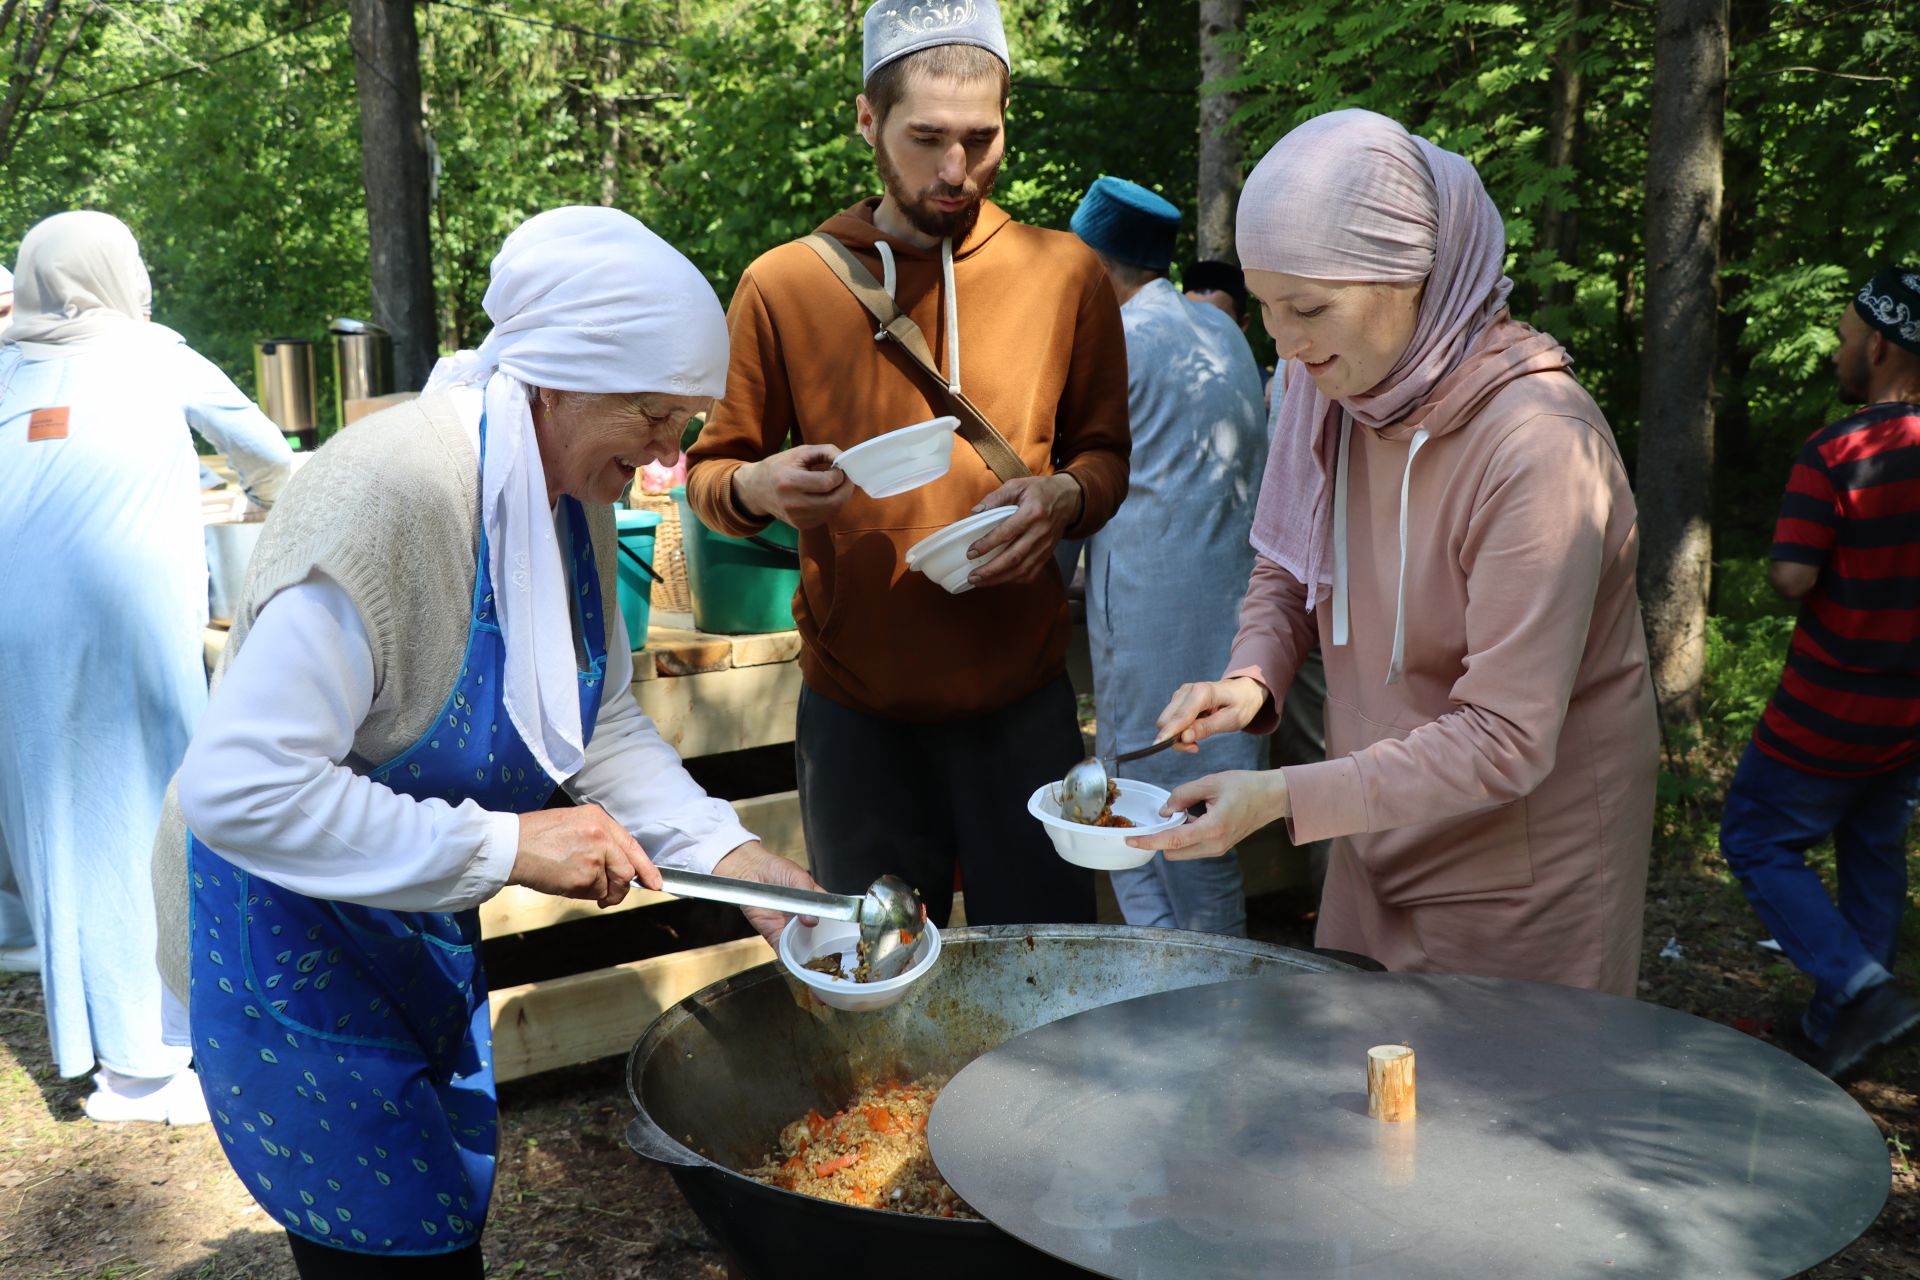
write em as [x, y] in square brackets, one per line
[1219, 191]
[1560, 229]
[394, 170]
[1684, 179]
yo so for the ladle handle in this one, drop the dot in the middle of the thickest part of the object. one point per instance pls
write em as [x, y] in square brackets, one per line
[1144, 752]
[752, 893]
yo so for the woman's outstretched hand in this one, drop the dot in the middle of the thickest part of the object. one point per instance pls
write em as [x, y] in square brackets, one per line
[1198, 711]
[1239, 803]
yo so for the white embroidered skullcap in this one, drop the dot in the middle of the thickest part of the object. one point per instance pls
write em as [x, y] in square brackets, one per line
[896, 28]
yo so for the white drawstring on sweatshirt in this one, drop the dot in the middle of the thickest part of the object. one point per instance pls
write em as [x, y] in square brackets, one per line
[1396, 664]
[889, 277]
[953, 315]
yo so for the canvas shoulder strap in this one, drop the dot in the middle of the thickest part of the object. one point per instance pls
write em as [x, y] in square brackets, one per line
[898, 327]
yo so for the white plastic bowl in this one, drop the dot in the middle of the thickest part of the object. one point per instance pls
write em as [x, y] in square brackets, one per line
[942, 556]
[901, 460]
[1105, 848]
[799, 944]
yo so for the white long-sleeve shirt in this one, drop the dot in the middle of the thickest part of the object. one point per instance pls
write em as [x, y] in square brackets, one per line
[284, 718]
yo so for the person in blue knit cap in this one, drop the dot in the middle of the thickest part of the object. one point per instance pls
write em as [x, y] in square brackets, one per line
[1165, 576]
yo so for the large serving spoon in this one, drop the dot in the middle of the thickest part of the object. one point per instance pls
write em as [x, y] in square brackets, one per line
[889, 915]
[1083, 793]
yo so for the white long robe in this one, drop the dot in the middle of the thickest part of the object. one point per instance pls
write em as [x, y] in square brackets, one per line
[104, 581]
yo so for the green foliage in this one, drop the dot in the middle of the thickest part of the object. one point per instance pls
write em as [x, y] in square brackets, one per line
[1821, 148]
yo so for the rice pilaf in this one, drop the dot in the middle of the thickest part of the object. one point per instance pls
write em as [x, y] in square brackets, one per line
[873, 1154]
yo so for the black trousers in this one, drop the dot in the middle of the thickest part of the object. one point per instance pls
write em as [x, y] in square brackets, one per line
[324, 1262]
[886, 796]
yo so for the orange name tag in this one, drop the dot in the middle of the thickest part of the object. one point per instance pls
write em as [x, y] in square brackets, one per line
[47, 424]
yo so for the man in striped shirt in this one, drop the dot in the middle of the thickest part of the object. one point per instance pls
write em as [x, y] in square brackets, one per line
[1837, 752]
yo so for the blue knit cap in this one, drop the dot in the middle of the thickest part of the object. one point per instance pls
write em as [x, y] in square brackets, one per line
[1127, 223]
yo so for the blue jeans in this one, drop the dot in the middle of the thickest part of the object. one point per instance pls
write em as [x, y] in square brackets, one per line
[1774, 814]
[1203, 894]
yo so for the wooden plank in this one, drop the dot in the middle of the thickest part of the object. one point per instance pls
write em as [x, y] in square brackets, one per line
[758, 651]
[354, 410]
[718, 711]
[542, 1025]
[517, 909]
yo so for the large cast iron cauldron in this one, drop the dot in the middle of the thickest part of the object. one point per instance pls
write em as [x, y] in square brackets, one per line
[716, 1077]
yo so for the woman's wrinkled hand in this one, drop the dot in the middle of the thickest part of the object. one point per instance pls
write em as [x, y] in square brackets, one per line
[1198, 711]
[754, 861]
[1239, 803]
[580, 853]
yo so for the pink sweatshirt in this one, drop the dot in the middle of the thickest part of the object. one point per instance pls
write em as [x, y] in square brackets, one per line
[1494, 807]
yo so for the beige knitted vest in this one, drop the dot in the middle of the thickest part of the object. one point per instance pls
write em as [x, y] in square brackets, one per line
[389, 510]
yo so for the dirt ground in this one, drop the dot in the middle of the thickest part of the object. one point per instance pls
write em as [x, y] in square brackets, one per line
[147, 1203]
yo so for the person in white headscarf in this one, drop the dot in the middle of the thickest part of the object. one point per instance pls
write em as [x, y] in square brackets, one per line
[103, 566]
[425, 649]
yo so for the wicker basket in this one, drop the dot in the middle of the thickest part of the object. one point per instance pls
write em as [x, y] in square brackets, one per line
[669, 560]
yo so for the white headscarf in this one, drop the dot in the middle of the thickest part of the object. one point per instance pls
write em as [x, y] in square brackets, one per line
[582, 299]
[80, 280]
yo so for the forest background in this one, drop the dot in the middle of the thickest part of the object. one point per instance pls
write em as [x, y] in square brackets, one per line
[226, 133]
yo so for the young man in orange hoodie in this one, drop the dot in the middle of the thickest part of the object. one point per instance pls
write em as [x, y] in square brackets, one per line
[927, 719]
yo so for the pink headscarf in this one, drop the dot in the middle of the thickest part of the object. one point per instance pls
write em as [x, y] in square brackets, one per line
[1352, 196]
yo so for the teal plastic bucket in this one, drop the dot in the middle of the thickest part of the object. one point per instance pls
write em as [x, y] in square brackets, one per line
[636, 587]
[739, 587]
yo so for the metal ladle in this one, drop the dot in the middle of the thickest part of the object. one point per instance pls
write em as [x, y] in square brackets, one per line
[1083, 794]
[889, 915]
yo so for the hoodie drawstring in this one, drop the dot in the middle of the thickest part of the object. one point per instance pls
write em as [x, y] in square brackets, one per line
[1396, 664]
[1340, 532]
[888, 276]
[953, 316]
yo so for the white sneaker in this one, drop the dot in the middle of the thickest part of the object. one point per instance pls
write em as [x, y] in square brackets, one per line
[20, 959]
[119, 1099]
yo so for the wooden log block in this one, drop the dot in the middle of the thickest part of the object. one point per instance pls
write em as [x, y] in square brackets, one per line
[1390, 1091]
[758, 651]
[517, 909]
[729, 710]
[542, 1025]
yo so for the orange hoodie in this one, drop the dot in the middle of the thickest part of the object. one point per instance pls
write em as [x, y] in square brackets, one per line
[1042, 354]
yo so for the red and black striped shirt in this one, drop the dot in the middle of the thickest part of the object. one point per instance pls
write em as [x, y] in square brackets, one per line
[1849, 700]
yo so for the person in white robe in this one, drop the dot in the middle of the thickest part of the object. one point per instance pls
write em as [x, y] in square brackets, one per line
[103, 570]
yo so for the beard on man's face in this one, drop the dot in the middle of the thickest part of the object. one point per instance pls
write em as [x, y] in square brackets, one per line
[927, 218]
[1850, 376]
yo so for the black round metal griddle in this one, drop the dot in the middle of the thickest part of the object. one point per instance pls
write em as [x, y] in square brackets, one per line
[1223, 1131]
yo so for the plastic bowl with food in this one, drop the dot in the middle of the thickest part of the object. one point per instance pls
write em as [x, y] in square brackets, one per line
[1105, 848]
[901, 460]
[801, 943]
[942, 556]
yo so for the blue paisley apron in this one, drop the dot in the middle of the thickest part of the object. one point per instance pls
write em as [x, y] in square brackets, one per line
[345, 1051]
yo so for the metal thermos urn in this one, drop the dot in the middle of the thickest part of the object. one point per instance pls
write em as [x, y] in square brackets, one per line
[283, 372]
[362, 363]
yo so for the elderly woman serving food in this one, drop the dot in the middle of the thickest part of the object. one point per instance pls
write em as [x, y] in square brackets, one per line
[1445, 511]
[428, 644]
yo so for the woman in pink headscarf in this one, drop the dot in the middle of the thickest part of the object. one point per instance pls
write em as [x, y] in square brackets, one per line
[1445, 512]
